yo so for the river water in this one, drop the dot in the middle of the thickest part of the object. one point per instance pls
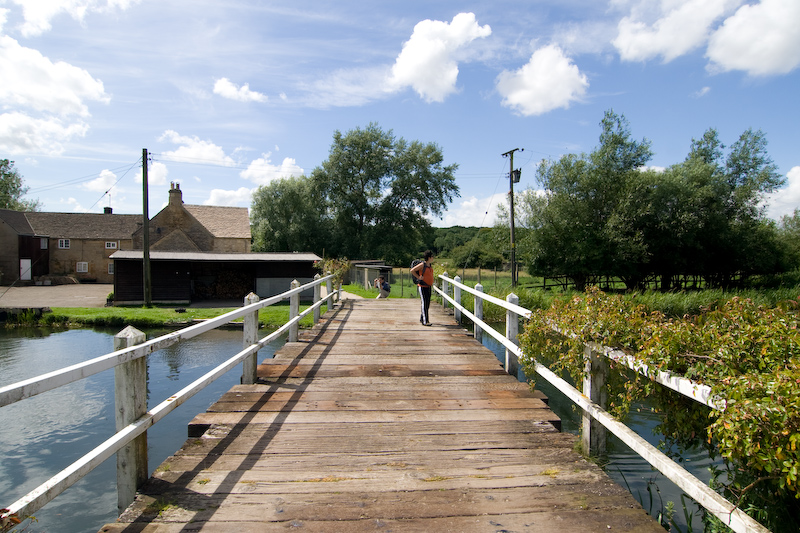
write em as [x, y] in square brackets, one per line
[42, 435]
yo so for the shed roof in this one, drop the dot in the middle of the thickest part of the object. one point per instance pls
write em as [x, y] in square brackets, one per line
[275, 257]
[222, 222]
[83, 225]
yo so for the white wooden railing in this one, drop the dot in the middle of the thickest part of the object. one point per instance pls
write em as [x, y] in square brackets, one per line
[595, 419]
[134, 383]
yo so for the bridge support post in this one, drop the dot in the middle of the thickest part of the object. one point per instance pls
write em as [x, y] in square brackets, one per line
[130, 402]
[317, 291]
[250, 337]
[593, 434]
[476, 329]
[457, 298]
[294, 310]
[512, 330]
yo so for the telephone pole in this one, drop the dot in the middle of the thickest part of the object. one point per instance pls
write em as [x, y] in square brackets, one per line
[148, 296]
[513, 177]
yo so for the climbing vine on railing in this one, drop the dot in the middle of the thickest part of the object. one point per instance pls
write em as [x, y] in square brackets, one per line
[749, 355]
[337, 267]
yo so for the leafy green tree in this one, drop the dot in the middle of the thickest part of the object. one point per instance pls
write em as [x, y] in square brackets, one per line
[287, 216]
[378, 191]
[12, 189]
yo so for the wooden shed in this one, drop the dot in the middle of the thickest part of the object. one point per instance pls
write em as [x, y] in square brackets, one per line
[185, 277]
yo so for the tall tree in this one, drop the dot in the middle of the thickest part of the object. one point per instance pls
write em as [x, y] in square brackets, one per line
[379, 191]
[12, 189]
[287, 216]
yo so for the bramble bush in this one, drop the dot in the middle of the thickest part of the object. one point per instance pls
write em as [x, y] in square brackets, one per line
[748, 354]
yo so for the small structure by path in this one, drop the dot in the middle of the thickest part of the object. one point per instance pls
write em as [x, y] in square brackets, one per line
[373, 422]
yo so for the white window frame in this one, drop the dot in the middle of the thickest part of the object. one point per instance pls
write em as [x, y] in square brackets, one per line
[111, 245]
[84, 265]
[43, 244]
[111, 268]
[63, 244]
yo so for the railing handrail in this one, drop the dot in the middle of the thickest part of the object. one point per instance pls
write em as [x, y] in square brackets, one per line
[727, 512]
[57, 484]
[57, 378]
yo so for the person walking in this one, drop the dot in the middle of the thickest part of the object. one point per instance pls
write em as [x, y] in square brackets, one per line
[423, 274]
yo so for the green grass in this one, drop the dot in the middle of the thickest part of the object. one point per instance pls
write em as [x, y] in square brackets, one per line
[273, 316]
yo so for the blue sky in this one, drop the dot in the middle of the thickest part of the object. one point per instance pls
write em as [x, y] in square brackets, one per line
[230, 95]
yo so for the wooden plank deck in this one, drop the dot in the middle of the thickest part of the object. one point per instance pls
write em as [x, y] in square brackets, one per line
[373, 422]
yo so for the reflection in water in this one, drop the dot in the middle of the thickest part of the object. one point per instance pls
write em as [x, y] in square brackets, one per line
[44, 434]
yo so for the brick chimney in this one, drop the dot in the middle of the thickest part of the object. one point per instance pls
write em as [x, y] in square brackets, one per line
[175, 194]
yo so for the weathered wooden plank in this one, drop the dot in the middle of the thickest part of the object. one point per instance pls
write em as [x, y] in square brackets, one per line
[373, 422]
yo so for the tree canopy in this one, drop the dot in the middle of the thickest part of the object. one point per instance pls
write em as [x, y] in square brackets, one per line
[607, 214]
[12, 189]
[377, 192]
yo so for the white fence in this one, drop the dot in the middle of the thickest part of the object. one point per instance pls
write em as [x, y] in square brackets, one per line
[596, 420]
[134, 383]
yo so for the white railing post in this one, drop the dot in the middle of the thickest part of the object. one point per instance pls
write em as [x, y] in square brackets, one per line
[130, 401]
[457, 298]
[317, 290]
[250, 364]
[476, 329]
[445, 289]
[512, 330]
[593, 434]
[329, 289]
[294, 310]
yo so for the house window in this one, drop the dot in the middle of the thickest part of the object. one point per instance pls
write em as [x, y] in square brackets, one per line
[83, 266]
[43, 243]
[111, 245]
[63, 244]
[111, 268]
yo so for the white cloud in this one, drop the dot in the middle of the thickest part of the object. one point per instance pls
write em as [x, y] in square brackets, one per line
[157, 173]
[20, 133]
[683, 26]
[548, 81]
[471, 211]
[429, 60]
[349, 87]
[39, 13]
[261, 171]
[103, 182]
[40, 105]
[225, 88]
[242, 195]
[195, 150]
[702, 92]
[760, 39]
[786, 200]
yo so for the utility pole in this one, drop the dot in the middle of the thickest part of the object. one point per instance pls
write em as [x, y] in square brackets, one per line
[148, 296]
[513, 177]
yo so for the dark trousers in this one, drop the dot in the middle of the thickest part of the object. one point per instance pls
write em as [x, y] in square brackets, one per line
[425, 300]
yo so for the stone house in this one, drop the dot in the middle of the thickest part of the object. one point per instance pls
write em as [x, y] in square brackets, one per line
[196, 228]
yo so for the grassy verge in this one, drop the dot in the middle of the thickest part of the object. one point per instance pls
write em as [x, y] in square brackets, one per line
[271, 317]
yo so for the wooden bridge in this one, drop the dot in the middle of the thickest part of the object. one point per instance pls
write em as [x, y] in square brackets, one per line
[373, 422]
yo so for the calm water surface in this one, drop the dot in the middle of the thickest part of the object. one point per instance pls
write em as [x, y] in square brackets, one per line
[42, 435]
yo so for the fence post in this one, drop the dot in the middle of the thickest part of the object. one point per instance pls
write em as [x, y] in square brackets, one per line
[317, 297]
[445, 289]
[329, 290]
[130, 401]
[294, 310]
[593, 434]
[249, 338]
[512, 330]
[476, 329]
[457, 298]
[366, 278]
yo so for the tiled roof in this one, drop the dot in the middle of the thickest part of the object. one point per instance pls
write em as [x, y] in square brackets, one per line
[17, 221]
[222, 222]
[83, 225]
